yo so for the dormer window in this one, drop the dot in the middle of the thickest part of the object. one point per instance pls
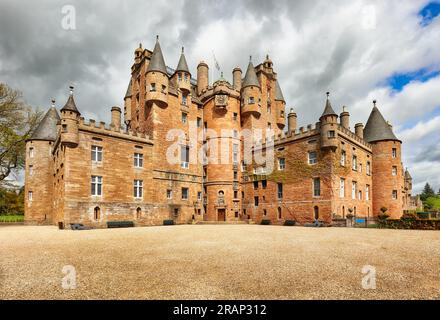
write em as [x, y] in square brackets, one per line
[152, 87]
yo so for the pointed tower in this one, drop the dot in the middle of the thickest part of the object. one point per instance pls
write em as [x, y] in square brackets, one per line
[329, 125]
[387, 172]
[183, 74]
[157, 79]
[250, 92]
[280, 105]
[69, 122]
[127, 104]
[39, 170]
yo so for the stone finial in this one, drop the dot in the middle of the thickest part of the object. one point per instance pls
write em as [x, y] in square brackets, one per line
[374, 102]
[53, 102]
[71, 87]
[328, 94]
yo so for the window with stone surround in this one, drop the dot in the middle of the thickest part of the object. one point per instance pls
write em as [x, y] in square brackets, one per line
[96, 153]
[30, 195]
[353, 190]
[152, 87]
[31, 152]
[31, 170]
[343, 157]
[367, 192]
[199, 195]
[138, 186]
[368, 168]
[394, 171]
[394, 194]
[394, 153]
[280, 190]
[264, 184]
[256, 201]
[281, 164]
[316, 187]
[138, 160]
[185, 193]
[96, 185]
[342, 188]
[312, 157]
[169, 194]
[354, 163]
[184, 157]
[184, 117]
[184, 99]
[251, 100]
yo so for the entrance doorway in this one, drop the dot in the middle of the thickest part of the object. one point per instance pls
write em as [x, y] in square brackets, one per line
[221, 214]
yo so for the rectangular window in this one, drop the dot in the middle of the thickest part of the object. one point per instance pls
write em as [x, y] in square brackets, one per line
[138, 188]
[199, 122]
[255, 185]
[163, 88]
[281, 163]
[256, 201]
[251, 100]
[184, 117]
[235, 153]
[354, 163]
[185, 193]
[199, 195]
[264, 184]
[367, 192]
[394, 153]
[312, 157]
[234, 116]
[316, 187]
[64, 128]
[31, 170]
[394, 194]
[169, 194]
[269, 110]
[96, 186]
[343, 157]
[184, 157]
[269, 125]
[184, 99]
[280, 190]
[152, 87]
[360, 167]
[30, 195]
[179, 76]
[235, 132]
[360, 195]
[353, 189]
[235, 175]
[342, 188]
[31, 152]
[368, 168]
[138, 160]
[394, 171]
[96, 153]
[331, 134]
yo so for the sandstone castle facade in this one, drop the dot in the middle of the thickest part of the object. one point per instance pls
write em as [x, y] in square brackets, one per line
[80, 171]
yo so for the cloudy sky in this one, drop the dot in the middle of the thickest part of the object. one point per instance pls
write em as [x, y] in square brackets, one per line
[357, 50]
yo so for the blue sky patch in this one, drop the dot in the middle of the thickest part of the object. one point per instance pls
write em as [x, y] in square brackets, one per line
[400, 80]
[429, 12]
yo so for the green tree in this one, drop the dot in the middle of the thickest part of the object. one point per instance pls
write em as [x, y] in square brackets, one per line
[17, 121]
[11, 201]
[427, 192]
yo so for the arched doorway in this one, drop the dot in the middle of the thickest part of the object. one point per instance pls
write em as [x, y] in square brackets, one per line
[280, 213]
[316, 212]
[343, 212]
[96, 213]
[138, 213]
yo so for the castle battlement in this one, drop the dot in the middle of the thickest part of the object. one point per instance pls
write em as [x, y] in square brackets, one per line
[109, 130]
[354, 137]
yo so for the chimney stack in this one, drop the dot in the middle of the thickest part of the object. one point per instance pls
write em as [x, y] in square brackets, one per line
[236, 74]
[359, 130]
[116, 118]
[345, 118]
[291, 121]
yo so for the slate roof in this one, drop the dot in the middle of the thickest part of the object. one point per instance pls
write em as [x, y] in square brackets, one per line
[250, 79]
[377, 129]
[47, 128]
[70, 105]
[328, 110]
[182, 65]
[157, 63]
[278, 93]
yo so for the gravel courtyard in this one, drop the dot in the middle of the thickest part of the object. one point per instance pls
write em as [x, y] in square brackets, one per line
[218, 262]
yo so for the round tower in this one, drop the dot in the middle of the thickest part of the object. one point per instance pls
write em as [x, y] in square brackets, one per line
[387, 173]
[69, 122]
[236, 75]
[329, 125]
[291, 121]
[127, 105]
[39, 170]
[250, 93]
[157, 79]
[202, 77]
[280, 105]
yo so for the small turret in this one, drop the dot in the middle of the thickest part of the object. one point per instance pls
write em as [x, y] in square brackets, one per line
[127, 104]
[183, 74]
[268, 65]
[157, 78]
[250, 92]
[280, 105]
[202, 77]
[291, 120]
[69, 122]
[236, 75]
[138, 54]
[329, 124]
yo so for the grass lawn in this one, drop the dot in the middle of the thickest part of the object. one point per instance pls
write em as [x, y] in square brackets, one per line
[12, 218]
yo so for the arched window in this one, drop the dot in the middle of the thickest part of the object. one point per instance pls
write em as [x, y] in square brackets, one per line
[221, 193]
[280, 214]
[96, 213]
[316, 212]
[343, 211]
[354, 211]
[138, 213]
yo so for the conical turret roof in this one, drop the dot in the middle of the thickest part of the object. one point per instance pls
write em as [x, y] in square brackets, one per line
[407, 175]
[70, 104]
[250, 79]
[377, 129]
[47, 128]
[182, 65]
[128, 92]
[278, 93]
[328, 110]
[157, 63]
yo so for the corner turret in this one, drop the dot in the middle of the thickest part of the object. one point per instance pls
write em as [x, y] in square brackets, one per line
[157, 79]
[250, 92]
[329, 125]
[69, 122]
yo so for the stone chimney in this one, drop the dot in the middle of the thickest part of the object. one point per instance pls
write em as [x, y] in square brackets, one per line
[236, 74]
[345, 118]
[116, 118]
[359, 130]
[291, 121]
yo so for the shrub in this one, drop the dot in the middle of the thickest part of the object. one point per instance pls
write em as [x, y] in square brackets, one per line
[289, 223]
[265, 222]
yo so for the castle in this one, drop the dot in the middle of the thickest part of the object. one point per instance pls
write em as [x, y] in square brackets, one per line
[80, 171]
